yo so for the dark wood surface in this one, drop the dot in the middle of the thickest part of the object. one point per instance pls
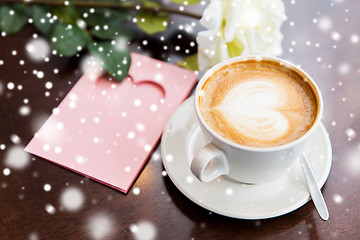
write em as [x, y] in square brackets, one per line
[321, 36]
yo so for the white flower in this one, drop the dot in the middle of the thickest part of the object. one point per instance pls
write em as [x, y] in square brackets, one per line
[239, 27]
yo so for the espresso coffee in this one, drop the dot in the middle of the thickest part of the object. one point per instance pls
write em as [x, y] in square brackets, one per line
[258, 103]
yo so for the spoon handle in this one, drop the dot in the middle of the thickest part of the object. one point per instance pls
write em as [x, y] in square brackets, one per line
[315, 192]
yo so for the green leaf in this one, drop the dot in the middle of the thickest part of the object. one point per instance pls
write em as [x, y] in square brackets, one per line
[235, 47]
[104, 16]
[13, 18]
[189, 2]
[113, 60]
[113, 31]
[43, 19]
[152, 22]
[68, 39]
[190, 62]
[108, 24]
[67, 14]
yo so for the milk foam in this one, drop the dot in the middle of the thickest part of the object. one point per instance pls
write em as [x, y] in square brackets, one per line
[253, 109]
[258, 104]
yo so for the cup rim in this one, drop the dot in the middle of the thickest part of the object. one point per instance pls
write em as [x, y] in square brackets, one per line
[209, 72]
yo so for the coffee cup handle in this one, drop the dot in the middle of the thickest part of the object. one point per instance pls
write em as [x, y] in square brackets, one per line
[209, 163]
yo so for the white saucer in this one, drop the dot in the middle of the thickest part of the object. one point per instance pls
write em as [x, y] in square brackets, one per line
[182, 138]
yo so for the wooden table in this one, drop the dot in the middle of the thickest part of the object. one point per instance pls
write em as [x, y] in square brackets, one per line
[321, 36]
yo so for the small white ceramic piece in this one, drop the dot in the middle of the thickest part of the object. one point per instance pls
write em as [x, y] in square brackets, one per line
[314, 190]
[209, 163]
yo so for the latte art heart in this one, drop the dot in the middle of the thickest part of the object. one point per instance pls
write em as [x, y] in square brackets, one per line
[252, 108]
[258, 103]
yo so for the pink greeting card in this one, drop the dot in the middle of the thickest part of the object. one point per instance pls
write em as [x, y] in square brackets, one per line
[106, 130]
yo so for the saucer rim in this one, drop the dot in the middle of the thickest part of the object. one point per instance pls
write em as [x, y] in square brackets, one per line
[235, 214]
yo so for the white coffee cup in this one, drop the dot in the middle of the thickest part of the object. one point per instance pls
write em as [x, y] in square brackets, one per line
[246, 164]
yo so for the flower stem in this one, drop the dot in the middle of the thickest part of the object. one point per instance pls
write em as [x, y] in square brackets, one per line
[133, 6]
